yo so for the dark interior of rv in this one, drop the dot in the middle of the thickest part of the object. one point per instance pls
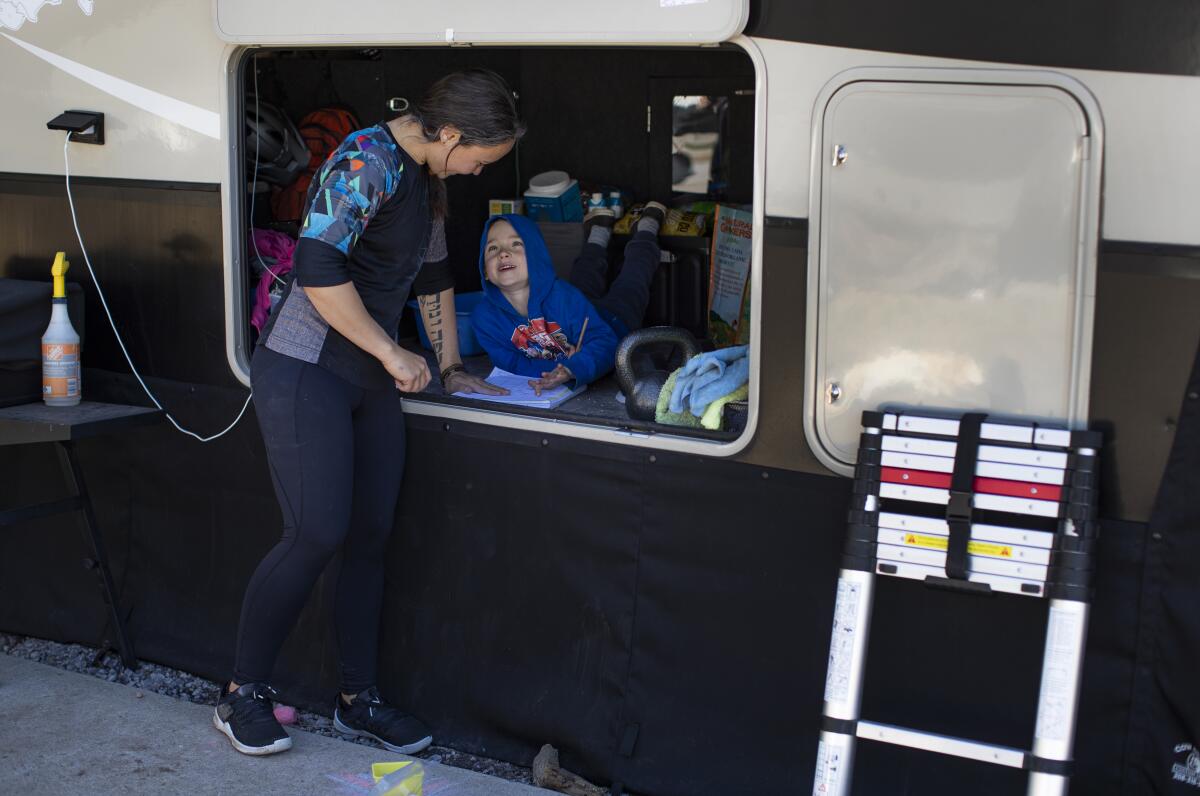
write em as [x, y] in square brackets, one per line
[627, 125]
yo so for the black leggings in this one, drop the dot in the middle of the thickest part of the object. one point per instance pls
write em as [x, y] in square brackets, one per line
[336, 453]
[624, 301]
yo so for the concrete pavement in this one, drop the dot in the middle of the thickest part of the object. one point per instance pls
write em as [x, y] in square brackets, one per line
[62, 732]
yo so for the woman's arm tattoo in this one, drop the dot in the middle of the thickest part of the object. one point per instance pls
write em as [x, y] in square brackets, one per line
[431, 307]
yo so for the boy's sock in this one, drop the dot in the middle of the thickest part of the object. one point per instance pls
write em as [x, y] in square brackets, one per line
[600, 236]
[652, 218]
[597, 226]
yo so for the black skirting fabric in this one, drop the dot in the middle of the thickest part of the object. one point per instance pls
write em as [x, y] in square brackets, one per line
[662, 619]
[1163, 747]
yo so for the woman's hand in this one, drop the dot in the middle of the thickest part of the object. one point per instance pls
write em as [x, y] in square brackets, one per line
[410, 371]
[560, 375]
[461, 381]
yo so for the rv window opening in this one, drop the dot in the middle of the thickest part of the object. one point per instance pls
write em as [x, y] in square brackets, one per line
[591, 115]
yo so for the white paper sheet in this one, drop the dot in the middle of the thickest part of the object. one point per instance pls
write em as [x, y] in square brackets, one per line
[520, 393]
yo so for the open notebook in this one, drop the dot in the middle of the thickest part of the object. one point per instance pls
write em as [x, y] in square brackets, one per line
[521, 394]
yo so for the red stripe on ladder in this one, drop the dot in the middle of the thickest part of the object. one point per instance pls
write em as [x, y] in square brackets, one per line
[899, 475]
[1000, 486]
[990, 486]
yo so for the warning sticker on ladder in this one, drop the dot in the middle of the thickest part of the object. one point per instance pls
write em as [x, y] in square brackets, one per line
[1060, 672]
[841, 642]
[829, 764]
[975, 548]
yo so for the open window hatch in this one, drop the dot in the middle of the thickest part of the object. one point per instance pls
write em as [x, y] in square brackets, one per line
[612, 127]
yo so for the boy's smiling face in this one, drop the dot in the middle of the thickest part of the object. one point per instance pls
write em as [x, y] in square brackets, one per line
[504, 257]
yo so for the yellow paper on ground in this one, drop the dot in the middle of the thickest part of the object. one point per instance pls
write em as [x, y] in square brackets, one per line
[403, 778]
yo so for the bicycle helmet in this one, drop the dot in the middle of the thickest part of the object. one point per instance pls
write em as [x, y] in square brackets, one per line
[271, 135]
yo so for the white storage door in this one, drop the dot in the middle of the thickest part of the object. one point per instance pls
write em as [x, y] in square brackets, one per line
[526, 21]
[948, 256]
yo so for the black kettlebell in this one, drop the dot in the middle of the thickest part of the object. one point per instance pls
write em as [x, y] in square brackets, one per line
[641, 389]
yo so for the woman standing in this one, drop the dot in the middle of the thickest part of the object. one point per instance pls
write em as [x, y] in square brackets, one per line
[325, 376]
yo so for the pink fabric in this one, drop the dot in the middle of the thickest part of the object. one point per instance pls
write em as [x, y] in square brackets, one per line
[275, 246]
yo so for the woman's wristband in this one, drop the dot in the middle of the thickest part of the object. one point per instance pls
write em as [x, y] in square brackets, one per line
[451, 369]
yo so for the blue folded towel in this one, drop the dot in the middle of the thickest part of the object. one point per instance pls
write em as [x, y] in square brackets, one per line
[708, 376]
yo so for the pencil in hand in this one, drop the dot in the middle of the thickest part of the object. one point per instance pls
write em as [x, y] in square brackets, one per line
[579, 343]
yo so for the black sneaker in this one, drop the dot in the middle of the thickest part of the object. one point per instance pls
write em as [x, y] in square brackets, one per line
[247, 717]
[656, 211]
[370, 717]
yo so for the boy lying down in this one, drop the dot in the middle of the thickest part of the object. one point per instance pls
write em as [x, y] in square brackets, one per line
[530, 322]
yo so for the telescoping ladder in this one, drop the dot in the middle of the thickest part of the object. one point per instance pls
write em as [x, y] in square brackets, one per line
[1019, 517]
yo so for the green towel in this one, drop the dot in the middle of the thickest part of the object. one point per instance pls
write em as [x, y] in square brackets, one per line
[712, 414]
[664, 415]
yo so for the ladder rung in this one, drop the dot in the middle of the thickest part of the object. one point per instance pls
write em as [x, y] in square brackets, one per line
[907, 476]
[1004, 583]
[1012, 505]
[942, 744]
[983, 469]
[1006, 554]
[921, 550]
[980, 531]
[999, 432]
[1029, 457]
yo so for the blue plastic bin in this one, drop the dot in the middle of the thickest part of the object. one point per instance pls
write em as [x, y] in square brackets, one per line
[468, 346]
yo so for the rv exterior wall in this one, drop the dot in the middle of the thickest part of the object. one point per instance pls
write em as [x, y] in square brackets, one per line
[162, 77]
[154, 70]
[1147, 197]
[159, 76]
[384, 22]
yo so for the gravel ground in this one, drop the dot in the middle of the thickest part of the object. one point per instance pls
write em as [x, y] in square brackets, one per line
[181, 685]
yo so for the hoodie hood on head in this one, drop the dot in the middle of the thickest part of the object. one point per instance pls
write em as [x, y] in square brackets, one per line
[518, 342]
[537, 261]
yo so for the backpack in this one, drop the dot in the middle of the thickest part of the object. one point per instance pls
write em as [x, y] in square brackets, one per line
[323, 131]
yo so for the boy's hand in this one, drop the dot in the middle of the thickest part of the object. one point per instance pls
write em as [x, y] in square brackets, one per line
[461, 381]
[560, 375]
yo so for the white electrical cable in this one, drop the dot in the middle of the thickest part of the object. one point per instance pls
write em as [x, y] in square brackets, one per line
[254, 181]
[104, 303]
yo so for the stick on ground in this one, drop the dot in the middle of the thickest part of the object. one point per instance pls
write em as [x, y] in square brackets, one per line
[548, 774]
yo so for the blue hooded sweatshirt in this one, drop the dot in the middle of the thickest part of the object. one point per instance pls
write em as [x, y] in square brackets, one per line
[534, 344]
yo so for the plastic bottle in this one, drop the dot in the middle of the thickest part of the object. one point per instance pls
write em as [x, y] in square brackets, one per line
[61, 384]
[596, 201]
[614, 204]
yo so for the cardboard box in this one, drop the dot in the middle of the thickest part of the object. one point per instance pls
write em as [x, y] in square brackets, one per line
[681, 223]
[504, 207]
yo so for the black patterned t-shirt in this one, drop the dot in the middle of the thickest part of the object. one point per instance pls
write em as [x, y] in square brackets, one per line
[367, 223]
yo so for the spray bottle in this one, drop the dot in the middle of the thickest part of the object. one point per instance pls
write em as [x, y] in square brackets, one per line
[60, 345]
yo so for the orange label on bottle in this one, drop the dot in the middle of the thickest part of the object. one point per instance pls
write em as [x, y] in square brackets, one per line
[60, 370]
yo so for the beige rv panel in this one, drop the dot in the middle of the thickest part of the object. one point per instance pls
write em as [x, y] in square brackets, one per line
[1152, 161]
[313, 22]
[153, 69]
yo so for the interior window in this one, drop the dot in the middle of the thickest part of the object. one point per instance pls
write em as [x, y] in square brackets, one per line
[696, 163]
